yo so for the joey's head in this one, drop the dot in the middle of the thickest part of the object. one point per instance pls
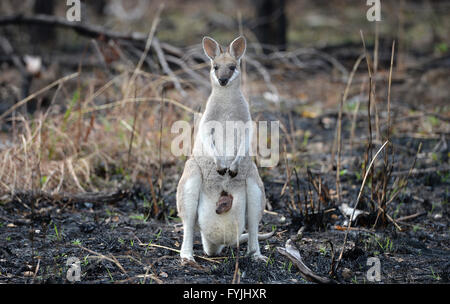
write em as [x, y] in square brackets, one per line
[225, 64]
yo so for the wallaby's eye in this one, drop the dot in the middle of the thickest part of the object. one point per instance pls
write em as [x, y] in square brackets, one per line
[216, 67]
[232, 67]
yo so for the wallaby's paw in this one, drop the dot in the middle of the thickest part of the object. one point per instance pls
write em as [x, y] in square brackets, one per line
[232, 173]
[222, 171]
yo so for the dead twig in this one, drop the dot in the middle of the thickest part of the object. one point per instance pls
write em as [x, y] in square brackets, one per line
[30, 97]
[357, 202]
[111, 259]
[148, 43]
[339, 127]
[410, 217]
[293, 254]
[175, 250]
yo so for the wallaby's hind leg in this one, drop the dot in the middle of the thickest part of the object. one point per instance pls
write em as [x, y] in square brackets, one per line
[188, 193]
[210, 248]
[255, 207]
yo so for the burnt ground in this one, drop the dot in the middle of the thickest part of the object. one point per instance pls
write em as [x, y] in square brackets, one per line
[120, 242]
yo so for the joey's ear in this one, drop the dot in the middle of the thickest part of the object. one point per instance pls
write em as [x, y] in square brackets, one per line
[211, 47]
[237, 47]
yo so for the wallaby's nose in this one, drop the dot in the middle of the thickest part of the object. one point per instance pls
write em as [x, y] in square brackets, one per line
[223, 81]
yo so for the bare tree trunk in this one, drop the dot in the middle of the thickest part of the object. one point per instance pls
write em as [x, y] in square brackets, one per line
[271, 22]
[99, 6]
[43, 34]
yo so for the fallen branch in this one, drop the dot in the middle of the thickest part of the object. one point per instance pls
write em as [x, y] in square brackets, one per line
[91, 197]
[94, 31]
[84, 29]
[294, 255]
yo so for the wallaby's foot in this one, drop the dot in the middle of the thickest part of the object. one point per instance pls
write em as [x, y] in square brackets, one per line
[259, 257]
[187, 257]
[232, 173]
[187, 262]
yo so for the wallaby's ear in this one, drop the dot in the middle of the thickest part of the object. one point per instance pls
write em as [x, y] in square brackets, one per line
[211, 47]
[237, 47]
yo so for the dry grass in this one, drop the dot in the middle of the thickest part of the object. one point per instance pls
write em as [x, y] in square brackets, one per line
[60, 151]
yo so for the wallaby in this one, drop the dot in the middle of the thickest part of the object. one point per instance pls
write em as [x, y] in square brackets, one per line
[220, 191]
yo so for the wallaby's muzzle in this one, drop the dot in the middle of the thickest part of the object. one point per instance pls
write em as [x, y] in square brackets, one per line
[223, 81]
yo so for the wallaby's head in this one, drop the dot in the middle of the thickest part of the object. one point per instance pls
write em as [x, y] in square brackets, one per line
[225, 67]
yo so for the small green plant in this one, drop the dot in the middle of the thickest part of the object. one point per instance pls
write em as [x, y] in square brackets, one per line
[389, 245]
[441, 47]
[434, 275]
[270, 259]
[306, 137]
[57, 234]
[76, 242]
[323, 250]
[75, 98]
[158, 235]
[43, 180]
[139, 217]
[86, 260]
[109, 273]
[433, 121]
[445, 177]
[397, 210]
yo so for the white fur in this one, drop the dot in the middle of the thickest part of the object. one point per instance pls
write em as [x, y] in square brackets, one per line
[235, 75]
[214, 77]
[225, 228]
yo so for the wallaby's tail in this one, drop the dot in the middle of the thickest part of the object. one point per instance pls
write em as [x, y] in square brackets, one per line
[244, 237]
